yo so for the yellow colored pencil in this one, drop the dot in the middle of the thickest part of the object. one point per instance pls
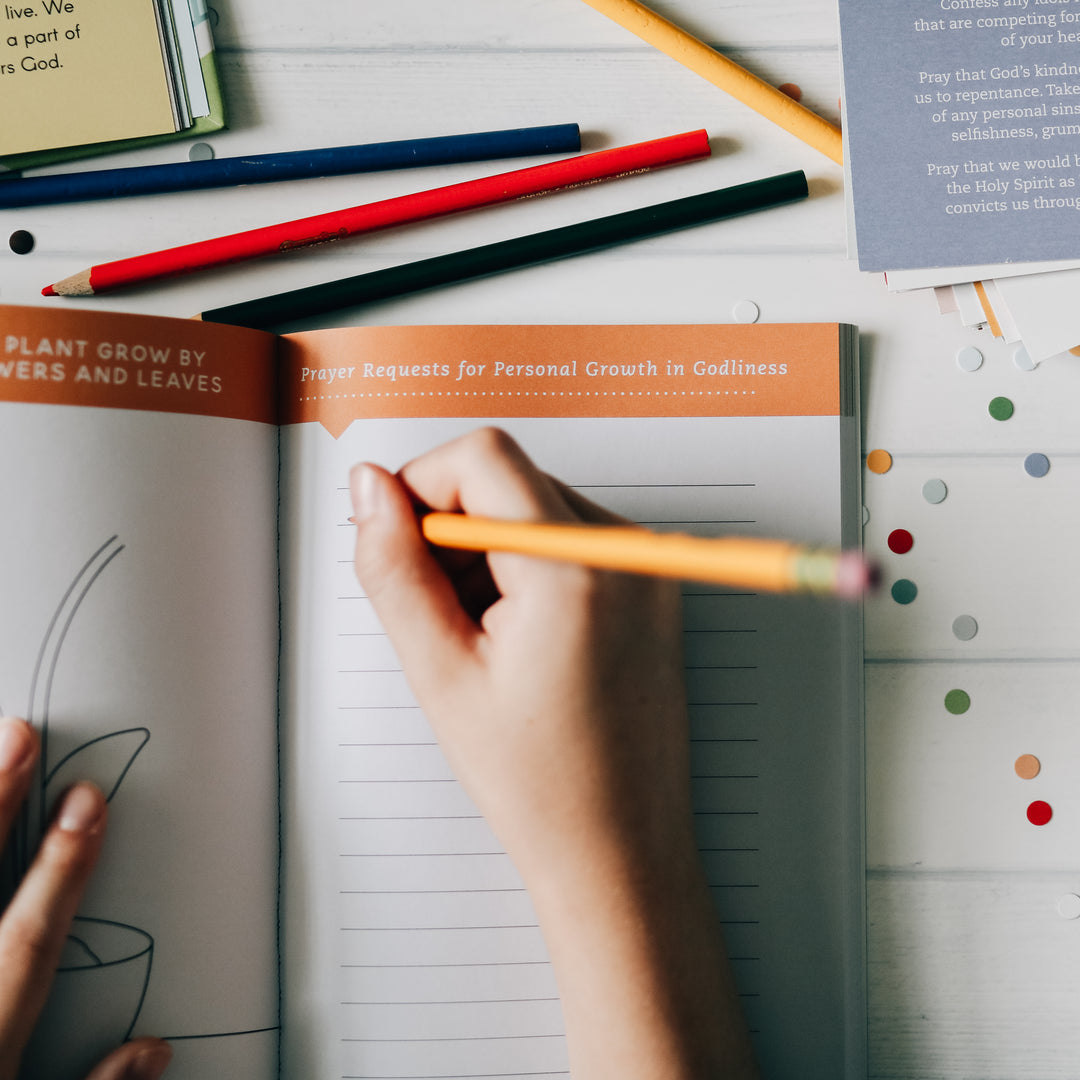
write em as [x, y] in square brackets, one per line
[746, 562]
[770, 102]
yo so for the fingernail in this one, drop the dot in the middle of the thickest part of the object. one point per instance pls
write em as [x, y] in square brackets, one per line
[81, 809]
[366, 491]
[14, 744]
[150, 1064]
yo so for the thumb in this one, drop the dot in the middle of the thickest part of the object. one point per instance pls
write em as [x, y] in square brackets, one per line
[409, 591]
[141, 1059]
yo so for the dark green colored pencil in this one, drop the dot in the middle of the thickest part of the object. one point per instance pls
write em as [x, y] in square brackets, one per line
[297, 304]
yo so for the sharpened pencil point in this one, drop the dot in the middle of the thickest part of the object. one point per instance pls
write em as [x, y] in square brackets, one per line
[76, 285]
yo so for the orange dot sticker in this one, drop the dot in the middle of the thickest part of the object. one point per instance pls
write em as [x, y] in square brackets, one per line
[1027, 766]
[1039, 812]
[879, 461]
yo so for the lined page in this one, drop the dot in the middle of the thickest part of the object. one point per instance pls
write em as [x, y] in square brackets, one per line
[418, 954]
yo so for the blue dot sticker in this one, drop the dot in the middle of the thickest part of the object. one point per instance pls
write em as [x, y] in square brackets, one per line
[1037, 465]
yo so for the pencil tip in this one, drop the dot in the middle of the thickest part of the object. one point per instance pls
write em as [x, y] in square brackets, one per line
[49, 291]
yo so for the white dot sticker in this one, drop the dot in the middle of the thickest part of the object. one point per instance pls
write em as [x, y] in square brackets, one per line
[965, 627]
[934, 491]
[969, 358]
[745, 311]
[1022, 359]
[1068, 906]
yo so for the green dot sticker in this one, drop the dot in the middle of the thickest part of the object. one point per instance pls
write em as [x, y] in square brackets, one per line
[957, 702]
[1001, 408]
[904, 591]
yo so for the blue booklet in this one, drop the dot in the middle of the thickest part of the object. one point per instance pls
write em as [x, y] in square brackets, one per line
[962, 131]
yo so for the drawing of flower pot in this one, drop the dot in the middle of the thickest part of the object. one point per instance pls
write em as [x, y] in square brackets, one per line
[99, 990]
[105, 968]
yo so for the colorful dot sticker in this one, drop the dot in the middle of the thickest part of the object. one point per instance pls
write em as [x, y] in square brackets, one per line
[934, 491]
[957, 702]
[745, 311]
[965, 627]
[969, 358]
[1039, 812]
[1068, 906]
[900, 541]
[1037, 465]
[21, 242]
[1001, 408]
[793, 90]
[879, 461]
[1022, 359]
[904, 591]
[1027, 766]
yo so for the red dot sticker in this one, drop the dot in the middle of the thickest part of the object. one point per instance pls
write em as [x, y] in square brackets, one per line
[1039, 812]
[900, 541]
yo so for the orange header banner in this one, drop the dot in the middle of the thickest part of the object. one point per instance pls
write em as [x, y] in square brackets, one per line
[71, 356]
[75, 356]
[337, 376]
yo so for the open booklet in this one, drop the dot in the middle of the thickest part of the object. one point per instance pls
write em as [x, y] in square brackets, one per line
[293, 883]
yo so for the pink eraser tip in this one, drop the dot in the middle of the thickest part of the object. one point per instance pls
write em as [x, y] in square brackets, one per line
[48, 291]
[855, 575]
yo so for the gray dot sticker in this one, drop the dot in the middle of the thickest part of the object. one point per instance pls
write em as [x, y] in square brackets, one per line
[969, 358]
[201, 152]
[1037, 465]
[934, 491]
[964, 627]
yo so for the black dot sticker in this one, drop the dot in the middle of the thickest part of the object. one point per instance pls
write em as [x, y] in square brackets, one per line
[21, 242]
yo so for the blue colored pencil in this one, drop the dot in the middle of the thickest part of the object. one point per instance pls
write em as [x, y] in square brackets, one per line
[291, 165]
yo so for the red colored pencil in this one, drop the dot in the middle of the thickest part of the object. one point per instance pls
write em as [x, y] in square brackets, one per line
[419, 206]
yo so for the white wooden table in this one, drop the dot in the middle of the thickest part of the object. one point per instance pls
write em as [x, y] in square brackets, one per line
[972, 971]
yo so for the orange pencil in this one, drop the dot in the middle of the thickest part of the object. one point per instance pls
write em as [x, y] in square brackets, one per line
[746, 562]
[769, 101]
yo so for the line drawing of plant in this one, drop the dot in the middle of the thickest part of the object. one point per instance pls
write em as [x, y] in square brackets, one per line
[104, 973]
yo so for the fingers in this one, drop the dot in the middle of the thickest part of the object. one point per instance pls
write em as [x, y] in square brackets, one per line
[486, 473]
[36, 923]
[141, 1059]
[586, 509]
[412, 596]
[18, 751]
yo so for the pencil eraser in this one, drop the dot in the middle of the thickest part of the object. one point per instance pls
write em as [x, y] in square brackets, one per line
[855, 575]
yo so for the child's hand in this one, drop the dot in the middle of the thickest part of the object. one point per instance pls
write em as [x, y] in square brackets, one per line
[35, 924]
[556, 691]
[557, 695]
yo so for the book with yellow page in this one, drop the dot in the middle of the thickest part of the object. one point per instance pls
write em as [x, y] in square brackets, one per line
[80, 77]
[293, 883]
